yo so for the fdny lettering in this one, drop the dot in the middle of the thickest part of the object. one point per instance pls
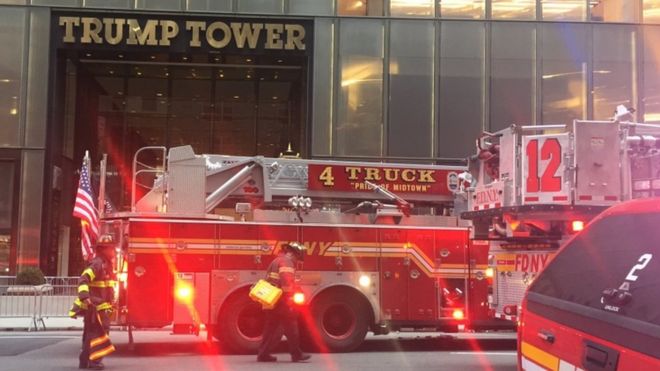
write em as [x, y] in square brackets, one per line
[153, 32]
[487, 196]
[531, 262]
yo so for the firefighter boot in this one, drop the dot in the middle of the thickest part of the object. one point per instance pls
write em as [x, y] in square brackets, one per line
[96, 365]
[300, 357]
[83, 361]
[267, 358]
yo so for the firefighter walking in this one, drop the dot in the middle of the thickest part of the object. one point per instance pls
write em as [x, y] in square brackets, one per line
[281, 272]
[94, 302]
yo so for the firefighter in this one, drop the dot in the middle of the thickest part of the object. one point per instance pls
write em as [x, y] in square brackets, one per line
[94, 302]
[281, 272]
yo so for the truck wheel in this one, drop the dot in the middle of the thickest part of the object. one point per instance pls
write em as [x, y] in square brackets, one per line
[340, 322]
[240, 324]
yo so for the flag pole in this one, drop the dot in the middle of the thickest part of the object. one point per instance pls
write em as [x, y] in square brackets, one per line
[102, 169]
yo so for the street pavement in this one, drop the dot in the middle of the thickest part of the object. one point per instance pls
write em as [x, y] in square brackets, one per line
[160, 351]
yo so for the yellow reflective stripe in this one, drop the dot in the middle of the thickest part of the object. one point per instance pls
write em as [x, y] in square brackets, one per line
[90, 273]
[102, 353]
[274, 275]
[79, 303]
[539, 356]
[104, 306]
[98, 340]
[287, 270]
[108, 283]
[83, 288]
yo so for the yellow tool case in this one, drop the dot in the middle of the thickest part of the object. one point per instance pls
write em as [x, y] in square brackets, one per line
[265, 294]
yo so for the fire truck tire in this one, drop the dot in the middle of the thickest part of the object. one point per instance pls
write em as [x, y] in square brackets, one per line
[341, 320]
[240, 324]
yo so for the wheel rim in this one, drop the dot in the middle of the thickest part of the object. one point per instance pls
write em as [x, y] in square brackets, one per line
[250, 322]
[339, 321]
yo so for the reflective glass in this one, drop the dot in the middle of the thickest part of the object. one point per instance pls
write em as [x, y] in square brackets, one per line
[360, 7]
[12, 36]
[461, 87]
[316, 7]
[323, 87]
[412, 8]
[651, 74]
[563, 10]
[261, 6]
[359, 129]
[513, 9]
[613, 69]
[410, 131]
[651, 11]
[564, 72]
[512, 74]
[191, 113]
[615, 10]
[7, 169]
[461, 8]
[210, 5]
[158, 4]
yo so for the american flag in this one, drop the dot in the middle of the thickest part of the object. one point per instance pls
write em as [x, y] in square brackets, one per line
[86, 211]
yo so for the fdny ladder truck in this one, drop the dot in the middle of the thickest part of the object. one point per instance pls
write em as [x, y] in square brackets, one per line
[532, 187]
[383, 251]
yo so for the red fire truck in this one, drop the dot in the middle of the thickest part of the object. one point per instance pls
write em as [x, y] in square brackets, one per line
[383, 251]
[533, 187]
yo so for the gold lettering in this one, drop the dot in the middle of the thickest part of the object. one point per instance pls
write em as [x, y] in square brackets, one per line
[108, 24]
[226, 35]
[408, 175]
[91, 29]
[142, 36]
[371, 174]
[274, 32]
[295, 34]
[426, 176]
[245, 31]
[68, 23]
[169, 29]
[195, 27]
[353, 172]
[391, 174]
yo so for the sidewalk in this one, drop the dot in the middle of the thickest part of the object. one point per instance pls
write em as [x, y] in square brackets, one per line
[51, 323]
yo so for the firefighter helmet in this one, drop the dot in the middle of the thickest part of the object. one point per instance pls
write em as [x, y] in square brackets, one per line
[297, 249]
[105, 240]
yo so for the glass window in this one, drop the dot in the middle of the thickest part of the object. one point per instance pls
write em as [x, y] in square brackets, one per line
[360, 7]
[412, 8]
[651, 96]
[461, 8]
[564, 10]
[512, 95]
[323, 87]
[190, 114]
[12, 35]
[513, 9]
[235, 129]
[411, 89]
[359, 129]
[306, 7]
[461, 87]
[261, 6]
[613, 69]
[564, 72]
[651, 11]
[210, 5]
[7, 169]
[107, 3]
[158, 4]
[615, 10]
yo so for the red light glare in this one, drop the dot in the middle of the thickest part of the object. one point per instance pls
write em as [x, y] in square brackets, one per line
[577, 225]
[458, 314]
[299, 298]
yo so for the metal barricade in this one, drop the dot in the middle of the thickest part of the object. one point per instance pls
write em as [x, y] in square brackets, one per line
[52, 299]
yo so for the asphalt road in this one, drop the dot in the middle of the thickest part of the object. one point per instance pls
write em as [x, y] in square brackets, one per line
[160, 351]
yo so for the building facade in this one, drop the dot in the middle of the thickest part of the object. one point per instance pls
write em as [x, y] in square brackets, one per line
[387, 80]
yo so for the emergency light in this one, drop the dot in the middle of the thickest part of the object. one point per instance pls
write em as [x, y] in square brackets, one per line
[299, 298]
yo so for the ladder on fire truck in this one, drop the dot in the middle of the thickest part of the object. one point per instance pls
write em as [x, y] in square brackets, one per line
[185, 183]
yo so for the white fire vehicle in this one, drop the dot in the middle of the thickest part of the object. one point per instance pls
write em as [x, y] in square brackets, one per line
[205, 227]
[534, 186]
